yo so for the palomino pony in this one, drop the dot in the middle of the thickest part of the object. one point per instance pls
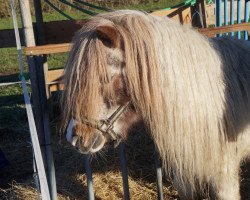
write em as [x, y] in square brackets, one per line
[193, 94]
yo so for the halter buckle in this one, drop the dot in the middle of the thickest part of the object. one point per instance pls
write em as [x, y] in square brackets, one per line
[107, 128]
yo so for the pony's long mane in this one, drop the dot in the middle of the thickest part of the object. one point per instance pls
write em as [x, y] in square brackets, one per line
[179, 81]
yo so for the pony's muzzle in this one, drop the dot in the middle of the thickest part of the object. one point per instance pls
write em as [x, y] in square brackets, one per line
[94, 143]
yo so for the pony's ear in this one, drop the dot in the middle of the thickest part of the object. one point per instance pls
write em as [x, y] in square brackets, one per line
[109, 35]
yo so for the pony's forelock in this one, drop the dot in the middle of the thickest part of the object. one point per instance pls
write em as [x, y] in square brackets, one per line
[85, 72]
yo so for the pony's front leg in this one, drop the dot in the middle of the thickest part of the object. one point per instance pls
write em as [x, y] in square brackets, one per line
[184, 189]
[227, 183]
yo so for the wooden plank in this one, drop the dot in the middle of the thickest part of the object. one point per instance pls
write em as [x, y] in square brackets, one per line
[56, 32]
[47, 49]
[55, 87]
[54, 75]
[61, 31]
[60, 48]
[211, 32]
[54, 79]
[183, 14]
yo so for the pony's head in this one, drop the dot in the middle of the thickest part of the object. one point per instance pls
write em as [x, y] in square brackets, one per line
[98, 99]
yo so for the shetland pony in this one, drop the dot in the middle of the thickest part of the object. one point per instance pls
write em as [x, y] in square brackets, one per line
[193, 94]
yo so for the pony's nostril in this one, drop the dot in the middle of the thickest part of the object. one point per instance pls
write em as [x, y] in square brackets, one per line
[97, 141]
[74, 140]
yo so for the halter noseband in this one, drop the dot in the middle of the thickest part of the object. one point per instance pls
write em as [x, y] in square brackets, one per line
[107, 126]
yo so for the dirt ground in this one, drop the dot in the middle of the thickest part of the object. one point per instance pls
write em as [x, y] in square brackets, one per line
[17, 182]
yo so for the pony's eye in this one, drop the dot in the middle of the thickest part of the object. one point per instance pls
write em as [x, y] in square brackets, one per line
[106, 41]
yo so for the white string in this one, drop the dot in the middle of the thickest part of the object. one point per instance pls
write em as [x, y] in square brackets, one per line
[10, 83]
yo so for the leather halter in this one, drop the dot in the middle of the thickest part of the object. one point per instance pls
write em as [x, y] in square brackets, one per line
[107, 126]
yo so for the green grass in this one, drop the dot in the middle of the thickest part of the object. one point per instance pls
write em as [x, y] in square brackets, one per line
[8, 61]
[57, 61]
[149, 5]
[7, 23]
[56, 16]
[11, 101]
[152, 5]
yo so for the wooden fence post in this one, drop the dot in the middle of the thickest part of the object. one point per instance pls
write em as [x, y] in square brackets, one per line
[39, 96]
[30, 41]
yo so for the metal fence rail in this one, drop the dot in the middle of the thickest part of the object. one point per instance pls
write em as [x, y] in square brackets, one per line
[241, 4]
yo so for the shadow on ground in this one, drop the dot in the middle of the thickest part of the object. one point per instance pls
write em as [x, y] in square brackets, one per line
[17, 180]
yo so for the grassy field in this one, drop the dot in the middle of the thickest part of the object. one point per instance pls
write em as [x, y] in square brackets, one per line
[16, 179]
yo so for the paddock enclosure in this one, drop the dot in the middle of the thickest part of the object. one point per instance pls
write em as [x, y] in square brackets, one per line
[113, 177]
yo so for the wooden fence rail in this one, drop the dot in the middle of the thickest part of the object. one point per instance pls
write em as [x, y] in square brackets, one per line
[54, 76]
[211, 32]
